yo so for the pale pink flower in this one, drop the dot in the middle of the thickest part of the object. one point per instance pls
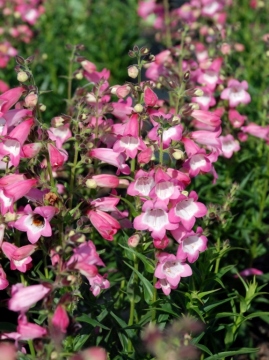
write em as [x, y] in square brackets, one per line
[192, 243]
[111, 157]
[3, 279]
[98, 283]
[154, 218]
[22, 298]
[36, 223]
[229, 145]
[28, 330]
[236, 93]
[186, 209]
[20, 258]
[171, 269]
[261, 132]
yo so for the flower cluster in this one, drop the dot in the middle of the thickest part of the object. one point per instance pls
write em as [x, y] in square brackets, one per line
[19, 17]
[206, 60]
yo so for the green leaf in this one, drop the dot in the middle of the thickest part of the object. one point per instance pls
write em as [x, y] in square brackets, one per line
[257, 314]
[85, 318]
[225, 354]
[203, 348]
[147, 286]
[212, 306]
[149, 264]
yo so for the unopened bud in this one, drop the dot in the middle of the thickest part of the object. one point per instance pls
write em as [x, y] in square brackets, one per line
[186, 76]
[57, 121]
[123, 183]
[42, 107]
[90, 97]
[144, 50]
[22, 76]
[138, 108]
[133, 71]
[178, 154]
[176, 119]
[198, 92]
[31, 100]
[54, 355]
[10, 217]
[91, 184]
[133, 241]
[79, 76]
[194, 106]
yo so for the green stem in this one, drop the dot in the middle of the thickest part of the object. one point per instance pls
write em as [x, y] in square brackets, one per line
[161, 150]
[52, 182]
[73, 174]
[32, 349]
[154, 298]
[218, 259]
[70, 77]
[168, 39]
[132, 304]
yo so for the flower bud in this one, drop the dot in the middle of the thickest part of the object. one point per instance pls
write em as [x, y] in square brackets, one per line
[91, 184]
[133, 71]
[79, 76]
[138, 108]
[22, 76]
[178, 154]
[31, 100]
[133, 241]
[90, 97]
[42, 107]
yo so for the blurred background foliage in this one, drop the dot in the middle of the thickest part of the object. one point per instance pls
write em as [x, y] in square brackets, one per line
[107, 29]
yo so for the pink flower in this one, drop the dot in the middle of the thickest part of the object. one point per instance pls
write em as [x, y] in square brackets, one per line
[104, 223]
[28, 330]
[191, 245]
[3, 279]
[170, 270]
[155, 219]
[22, 298]
[98, 283]
[236, 119]
[36, 223]
[60, 319]
[57, 156]
[236, 93]
[250, 272]
[112, 158]
[186, 209]
[261, 132]
[12, 188]
[19, 257]
[229, 145]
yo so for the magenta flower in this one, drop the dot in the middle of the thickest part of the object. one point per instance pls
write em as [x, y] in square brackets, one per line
[36, 223]
[104, 223]
[60, 319]
[236, 93]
